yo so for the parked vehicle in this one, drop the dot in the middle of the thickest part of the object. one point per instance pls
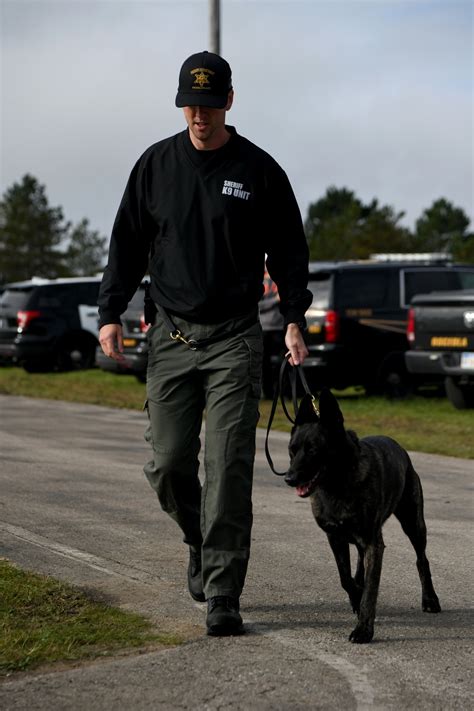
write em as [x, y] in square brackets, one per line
[441, 337]
[135, 347]
[49, 324]
[357, 321]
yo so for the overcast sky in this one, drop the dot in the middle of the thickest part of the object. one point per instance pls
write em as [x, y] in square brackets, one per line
[372, 95]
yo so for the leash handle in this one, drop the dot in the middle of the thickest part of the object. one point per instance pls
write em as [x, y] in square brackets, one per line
[276, 397]
[294, 372]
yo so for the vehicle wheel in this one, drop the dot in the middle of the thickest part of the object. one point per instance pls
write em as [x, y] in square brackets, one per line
[461, 396]
[393, 379]
[76, 354]
[397, 386]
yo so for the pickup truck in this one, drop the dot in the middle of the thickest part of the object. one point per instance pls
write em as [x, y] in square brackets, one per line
[441, 336]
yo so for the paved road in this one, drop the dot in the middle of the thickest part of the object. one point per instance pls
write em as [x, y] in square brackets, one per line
[75, 504]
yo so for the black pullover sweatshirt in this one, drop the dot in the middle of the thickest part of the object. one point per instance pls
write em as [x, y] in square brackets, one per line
[201, 223]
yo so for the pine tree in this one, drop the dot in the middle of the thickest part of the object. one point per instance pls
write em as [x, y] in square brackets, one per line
[443, 227]
[30, 233]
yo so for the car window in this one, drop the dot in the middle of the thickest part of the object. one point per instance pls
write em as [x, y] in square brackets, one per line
[467, 279]
[46, 298]
[363, 288]
[50, 297]
[66, 296]
[13, 300]
[425, 281]
[87, 293]
[320, 287]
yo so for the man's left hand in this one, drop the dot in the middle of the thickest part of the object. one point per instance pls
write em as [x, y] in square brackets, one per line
[295, 343]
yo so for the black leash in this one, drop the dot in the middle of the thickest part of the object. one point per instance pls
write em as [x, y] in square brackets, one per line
[294, 372]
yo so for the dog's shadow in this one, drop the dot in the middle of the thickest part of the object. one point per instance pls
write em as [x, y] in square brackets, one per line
[392, 624]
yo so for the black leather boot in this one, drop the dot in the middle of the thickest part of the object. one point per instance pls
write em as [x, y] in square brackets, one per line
[223, 616]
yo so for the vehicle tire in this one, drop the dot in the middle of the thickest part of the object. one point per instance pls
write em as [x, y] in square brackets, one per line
[77, 353]
[461, 396]
[393, 379]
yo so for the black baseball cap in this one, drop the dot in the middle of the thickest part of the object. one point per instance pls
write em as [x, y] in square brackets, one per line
[205, 79]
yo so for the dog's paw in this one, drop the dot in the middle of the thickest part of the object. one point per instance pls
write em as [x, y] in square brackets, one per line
[361, 635]
[431, 604]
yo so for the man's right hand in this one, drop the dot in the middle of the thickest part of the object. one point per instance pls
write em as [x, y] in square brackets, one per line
[111, 341]
[294, 341]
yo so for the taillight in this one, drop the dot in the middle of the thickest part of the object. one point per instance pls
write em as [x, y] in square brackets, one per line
[331, 327]
[411, 325]
[144, 326]
[24, 318]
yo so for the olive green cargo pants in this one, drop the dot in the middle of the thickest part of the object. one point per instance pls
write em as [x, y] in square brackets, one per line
[224, 380]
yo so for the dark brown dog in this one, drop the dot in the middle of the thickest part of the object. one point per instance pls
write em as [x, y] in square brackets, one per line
[355, 485]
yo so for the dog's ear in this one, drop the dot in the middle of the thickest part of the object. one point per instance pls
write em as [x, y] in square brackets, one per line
[306, 412]
[330, 413]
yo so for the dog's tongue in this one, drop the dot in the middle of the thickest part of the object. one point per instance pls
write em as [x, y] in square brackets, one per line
[303, 490]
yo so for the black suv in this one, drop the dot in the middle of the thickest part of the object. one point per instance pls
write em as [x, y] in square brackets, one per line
[135, 347]
[49, 324]
[357, 321]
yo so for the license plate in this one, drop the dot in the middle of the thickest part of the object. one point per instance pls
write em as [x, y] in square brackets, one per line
[467, 361]
[449, 342]
[129, 342]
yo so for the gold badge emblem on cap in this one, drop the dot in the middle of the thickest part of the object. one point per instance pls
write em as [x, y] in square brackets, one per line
[201, 78]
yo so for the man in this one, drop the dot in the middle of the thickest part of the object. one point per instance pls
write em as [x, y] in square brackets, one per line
[200, 211]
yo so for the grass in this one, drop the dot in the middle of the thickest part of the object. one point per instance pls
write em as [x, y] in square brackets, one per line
[94, 387]
[43, 621]
[422, 423]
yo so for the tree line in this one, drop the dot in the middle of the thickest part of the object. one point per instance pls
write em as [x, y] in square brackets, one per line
[340, 226]
[37, 240]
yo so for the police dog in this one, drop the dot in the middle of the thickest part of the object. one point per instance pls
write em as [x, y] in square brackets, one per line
[355, 485]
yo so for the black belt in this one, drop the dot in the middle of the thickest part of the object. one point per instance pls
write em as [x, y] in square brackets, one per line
[191, 343]
[176, 335]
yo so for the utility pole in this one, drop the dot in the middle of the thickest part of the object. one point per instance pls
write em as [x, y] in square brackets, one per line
[214, 26]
